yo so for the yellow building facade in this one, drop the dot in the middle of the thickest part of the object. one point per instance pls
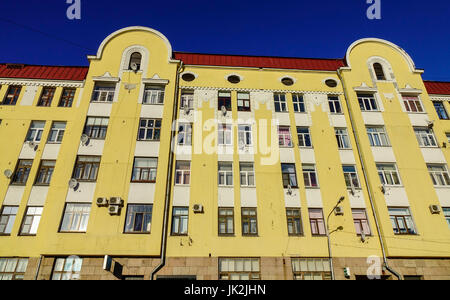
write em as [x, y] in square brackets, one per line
[153, 164]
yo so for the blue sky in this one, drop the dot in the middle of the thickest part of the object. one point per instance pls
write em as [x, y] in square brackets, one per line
[38, 32]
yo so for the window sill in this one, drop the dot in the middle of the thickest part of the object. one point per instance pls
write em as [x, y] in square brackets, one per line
[5, 234]
[178, 234]
[429, 147]
[248, 186]
[182, 185]
[312, 187]
[42, 184]
[226, 235]
[54, 143]
[387, 146]
[226, 186]
[132, 232]
[159, 104]
[306, 147]
[18, 184]
[250, 235]
[143, 181]
[71, 231]
[345, 149]
[148, 140]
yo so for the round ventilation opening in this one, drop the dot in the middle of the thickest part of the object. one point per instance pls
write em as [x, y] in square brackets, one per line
[331, 83]
[234, 79]
[287, 81]
[188, 77]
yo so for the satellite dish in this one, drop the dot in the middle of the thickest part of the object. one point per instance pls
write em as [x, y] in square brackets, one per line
[32, 144]
[363, 237]
[73, 183]
[224, 110]
[241, 144]
[134, 67]
[8, 173]
[289, 189]
[84, 139]
[187, 110]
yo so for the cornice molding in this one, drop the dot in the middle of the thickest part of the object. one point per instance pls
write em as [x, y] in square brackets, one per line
[40, 82]
[260, 90]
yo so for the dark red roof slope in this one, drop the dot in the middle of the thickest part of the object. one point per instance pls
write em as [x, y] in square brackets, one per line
[259, 61]
[43, 72]
[437, 87]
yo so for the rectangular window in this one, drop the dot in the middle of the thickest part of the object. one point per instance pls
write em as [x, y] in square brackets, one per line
[13, 268]
[247, 174]
[35, 131]
[309, 175]
[294, 221]
[367, 102]
[144, 169]
[226, 220]
[12, 95]
[401, 220]
[45, 173]
[289, 176]
[180, 217]
[67, 97]
[377, 136]
[22, 172]
[425, 137]
[183, 172]
[224, 100]
[225, 174]
[280, 102]
[149, 129]
[46, 96]
[103, 92]
[139, 218]
[351, 177]
[439, 174]
[446, 211]
[7, 218]
[187, 100]
[440, 110]
[412, 104]
[317, 222]
[334, 104]
[86, 168]
[57, 132]
[311, 268]
[185, 134]
[31, 220]
[243, 101]
[239, 269]
[245, 135]
[388, 174]
[225, 134]
[361, 222]
[96, 127]
[249, 221]
[342, 138]
[67, 268]
[304, 137]
[153, 95]
[299, 103]
[284, 136]
[76, 217]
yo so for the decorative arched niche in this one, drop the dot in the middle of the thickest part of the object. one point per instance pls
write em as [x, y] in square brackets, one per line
[135, 54]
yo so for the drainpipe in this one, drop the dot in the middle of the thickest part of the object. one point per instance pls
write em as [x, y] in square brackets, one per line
[169, 178]
[38, 267]
[385, 262]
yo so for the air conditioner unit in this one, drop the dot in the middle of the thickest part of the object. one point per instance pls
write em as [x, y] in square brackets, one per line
[339, 211]
[114, 210]
[102, 201]
[116, 201]
[197, 208]
[435, 209]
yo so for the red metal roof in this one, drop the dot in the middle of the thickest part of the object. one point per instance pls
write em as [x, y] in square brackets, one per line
[437, 87]
[43, 72]
[259, 61]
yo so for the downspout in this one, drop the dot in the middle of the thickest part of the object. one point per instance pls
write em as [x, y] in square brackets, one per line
[385, 262]
[169, 177]
[38, 267]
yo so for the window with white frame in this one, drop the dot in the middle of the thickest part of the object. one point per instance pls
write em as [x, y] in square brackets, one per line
[184, 134]
[224, 100]
[284, 136]
[280, 102]
[247, 174]
[103, 92]
[225, 174]
[243, 101]
[367, 102]
[412, 103]
[311, 268]
[96, 127]
[310, 175]
[153, 94]
[180, 218]
[304, 137]
[225, 134]
[35, 131]
[446, 211]
[425, 137]
[439, 174]
[342, 138]
[187, 100]
[45, 172]
[245, 135]
[289, 175]
[7, 218]
[31, 220]
[76, 216]
[401, 220]
[13, 268]
[351, 177]
[361, 222]
[334, 104]
[57, 132]
[440, 110]
[183, 173]
[239, 269]
[388, 174]
[299, 103]
[144, 169]
[139, 218]
[67, 268]
[317, 221]
[377, 136]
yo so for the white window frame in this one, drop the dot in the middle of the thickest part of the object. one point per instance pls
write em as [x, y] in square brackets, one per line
[225, 174]
[332, 100]
[286, 137]
[76, 221]
[378, 137]
[280, 98]
[182, 172]
[245, 134]
[247, 174]
[350, 176]
[185, 133]
[103, 91]
[35, 131]
[366, 100]
[153, 94]
[342, 138]
[303, 139]
[187, 100]
[298, 101]
[225, 134]
[7, 218]
[307, 170]
[425, 137]
[407, 99]
[31, 220]
[385, 173]
[439, 177]
[56, 134]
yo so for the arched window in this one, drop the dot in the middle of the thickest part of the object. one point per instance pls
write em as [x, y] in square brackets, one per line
[378, 68]
[135, 58]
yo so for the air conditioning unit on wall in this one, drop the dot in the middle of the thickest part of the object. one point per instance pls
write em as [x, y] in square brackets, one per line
[116, 201]
[197, 208]
[114, 210]
[435, 209]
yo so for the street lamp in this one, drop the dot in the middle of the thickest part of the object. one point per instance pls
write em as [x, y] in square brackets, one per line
[328, 236]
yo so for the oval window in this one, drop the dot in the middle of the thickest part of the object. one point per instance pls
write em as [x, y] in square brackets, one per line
[331, 83]
[188, 77]
[287, 81]
[234, 79]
